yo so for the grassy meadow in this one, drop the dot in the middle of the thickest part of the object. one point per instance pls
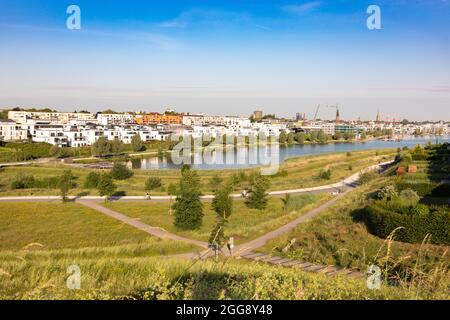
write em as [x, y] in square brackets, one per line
[300, 172]
[151, 278]
[244, 224]
[34, 227]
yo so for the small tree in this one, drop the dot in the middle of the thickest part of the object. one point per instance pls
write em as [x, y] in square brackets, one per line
[215, 182]
[121, 172]
[257, 198]
[290, 138]
[92, 180]
[222, 204]
[188, 207]
[300, 137]
[101, 147]
[106, 186]
[117, 147]
[283, 137]
[136, 143]
[65, 184]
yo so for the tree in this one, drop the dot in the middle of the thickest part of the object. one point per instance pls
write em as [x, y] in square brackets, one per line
[65, 184]
[92, 180]
[257, 198]
[223, 206]
[215, 182]
[322, 137]
[117, 147]
[106, 186]
[282, 137]
[188, 207]
[313, 136]
[387, 193]
[101, 147]
[300, 137]
[121, 172]
[222, 203]
[136, 143]
[290, 138]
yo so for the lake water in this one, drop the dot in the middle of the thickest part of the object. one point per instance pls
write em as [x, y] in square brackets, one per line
[246, 157]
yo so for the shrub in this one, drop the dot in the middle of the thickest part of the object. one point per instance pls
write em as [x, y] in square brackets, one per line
[92, 180]
[409, 196]
[366, 177]
[22, 181]
[416, 222]
[153, 183]
[121, 172]
[325, 174]
[387, 193]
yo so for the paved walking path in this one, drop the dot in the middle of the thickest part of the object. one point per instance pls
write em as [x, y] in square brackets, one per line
[261, 241]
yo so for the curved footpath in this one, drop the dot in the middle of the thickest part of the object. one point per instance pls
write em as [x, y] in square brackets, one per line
[350, 181]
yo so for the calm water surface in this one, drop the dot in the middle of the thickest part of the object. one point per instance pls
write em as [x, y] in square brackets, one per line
[246, 157]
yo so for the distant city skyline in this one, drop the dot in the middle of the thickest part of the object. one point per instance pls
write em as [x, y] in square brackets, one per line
[229, 57]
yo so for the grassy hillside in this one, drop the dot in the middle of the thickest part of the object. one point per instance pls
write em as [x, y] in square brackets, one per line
[116, 277]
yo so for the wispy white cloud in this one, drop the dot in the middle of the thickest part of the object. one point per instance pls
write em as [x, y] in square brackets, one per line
[204, 17]
[156, 40]
[302, 8]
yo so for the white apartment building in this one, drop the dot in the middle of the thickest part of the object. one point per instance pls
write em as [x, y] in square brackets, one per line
[106, 119]
[11, 131]
[198, 120]
[60, 117]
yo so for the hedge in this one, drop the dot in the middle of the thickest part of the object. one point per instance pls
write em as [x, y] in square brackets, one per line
[382, 220]
[422, 188]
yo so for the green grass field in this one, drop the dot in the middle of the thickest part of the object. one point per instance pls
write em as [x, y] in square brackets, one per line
[244, 224]
[48, 226]
[299, 172]
[153, 278]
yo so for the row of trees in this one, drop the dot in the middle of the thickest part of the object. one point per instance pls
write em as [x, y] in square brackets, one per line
[104, 147]
[314, 137]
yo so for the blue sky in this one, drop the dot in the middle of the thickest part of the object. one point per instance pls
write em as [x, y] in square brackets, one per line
[229, 57]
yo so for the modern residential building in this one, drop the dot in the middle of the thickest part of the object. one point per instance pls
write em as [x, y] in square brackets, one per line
[11, 131]
[157, 118]
[115, 118]
[61, 117]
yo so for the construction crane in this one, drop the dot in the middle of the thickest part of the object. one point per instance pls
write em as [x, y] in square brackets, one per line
[317, 112]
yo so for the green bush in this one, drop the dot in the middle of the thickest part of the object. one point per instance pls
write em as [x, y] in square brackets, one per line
[325, 174]
[409, 196]
[387, 193]
[92, 180]
[121, 172]
[415, 221]
[23, 182]
[153, 183]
